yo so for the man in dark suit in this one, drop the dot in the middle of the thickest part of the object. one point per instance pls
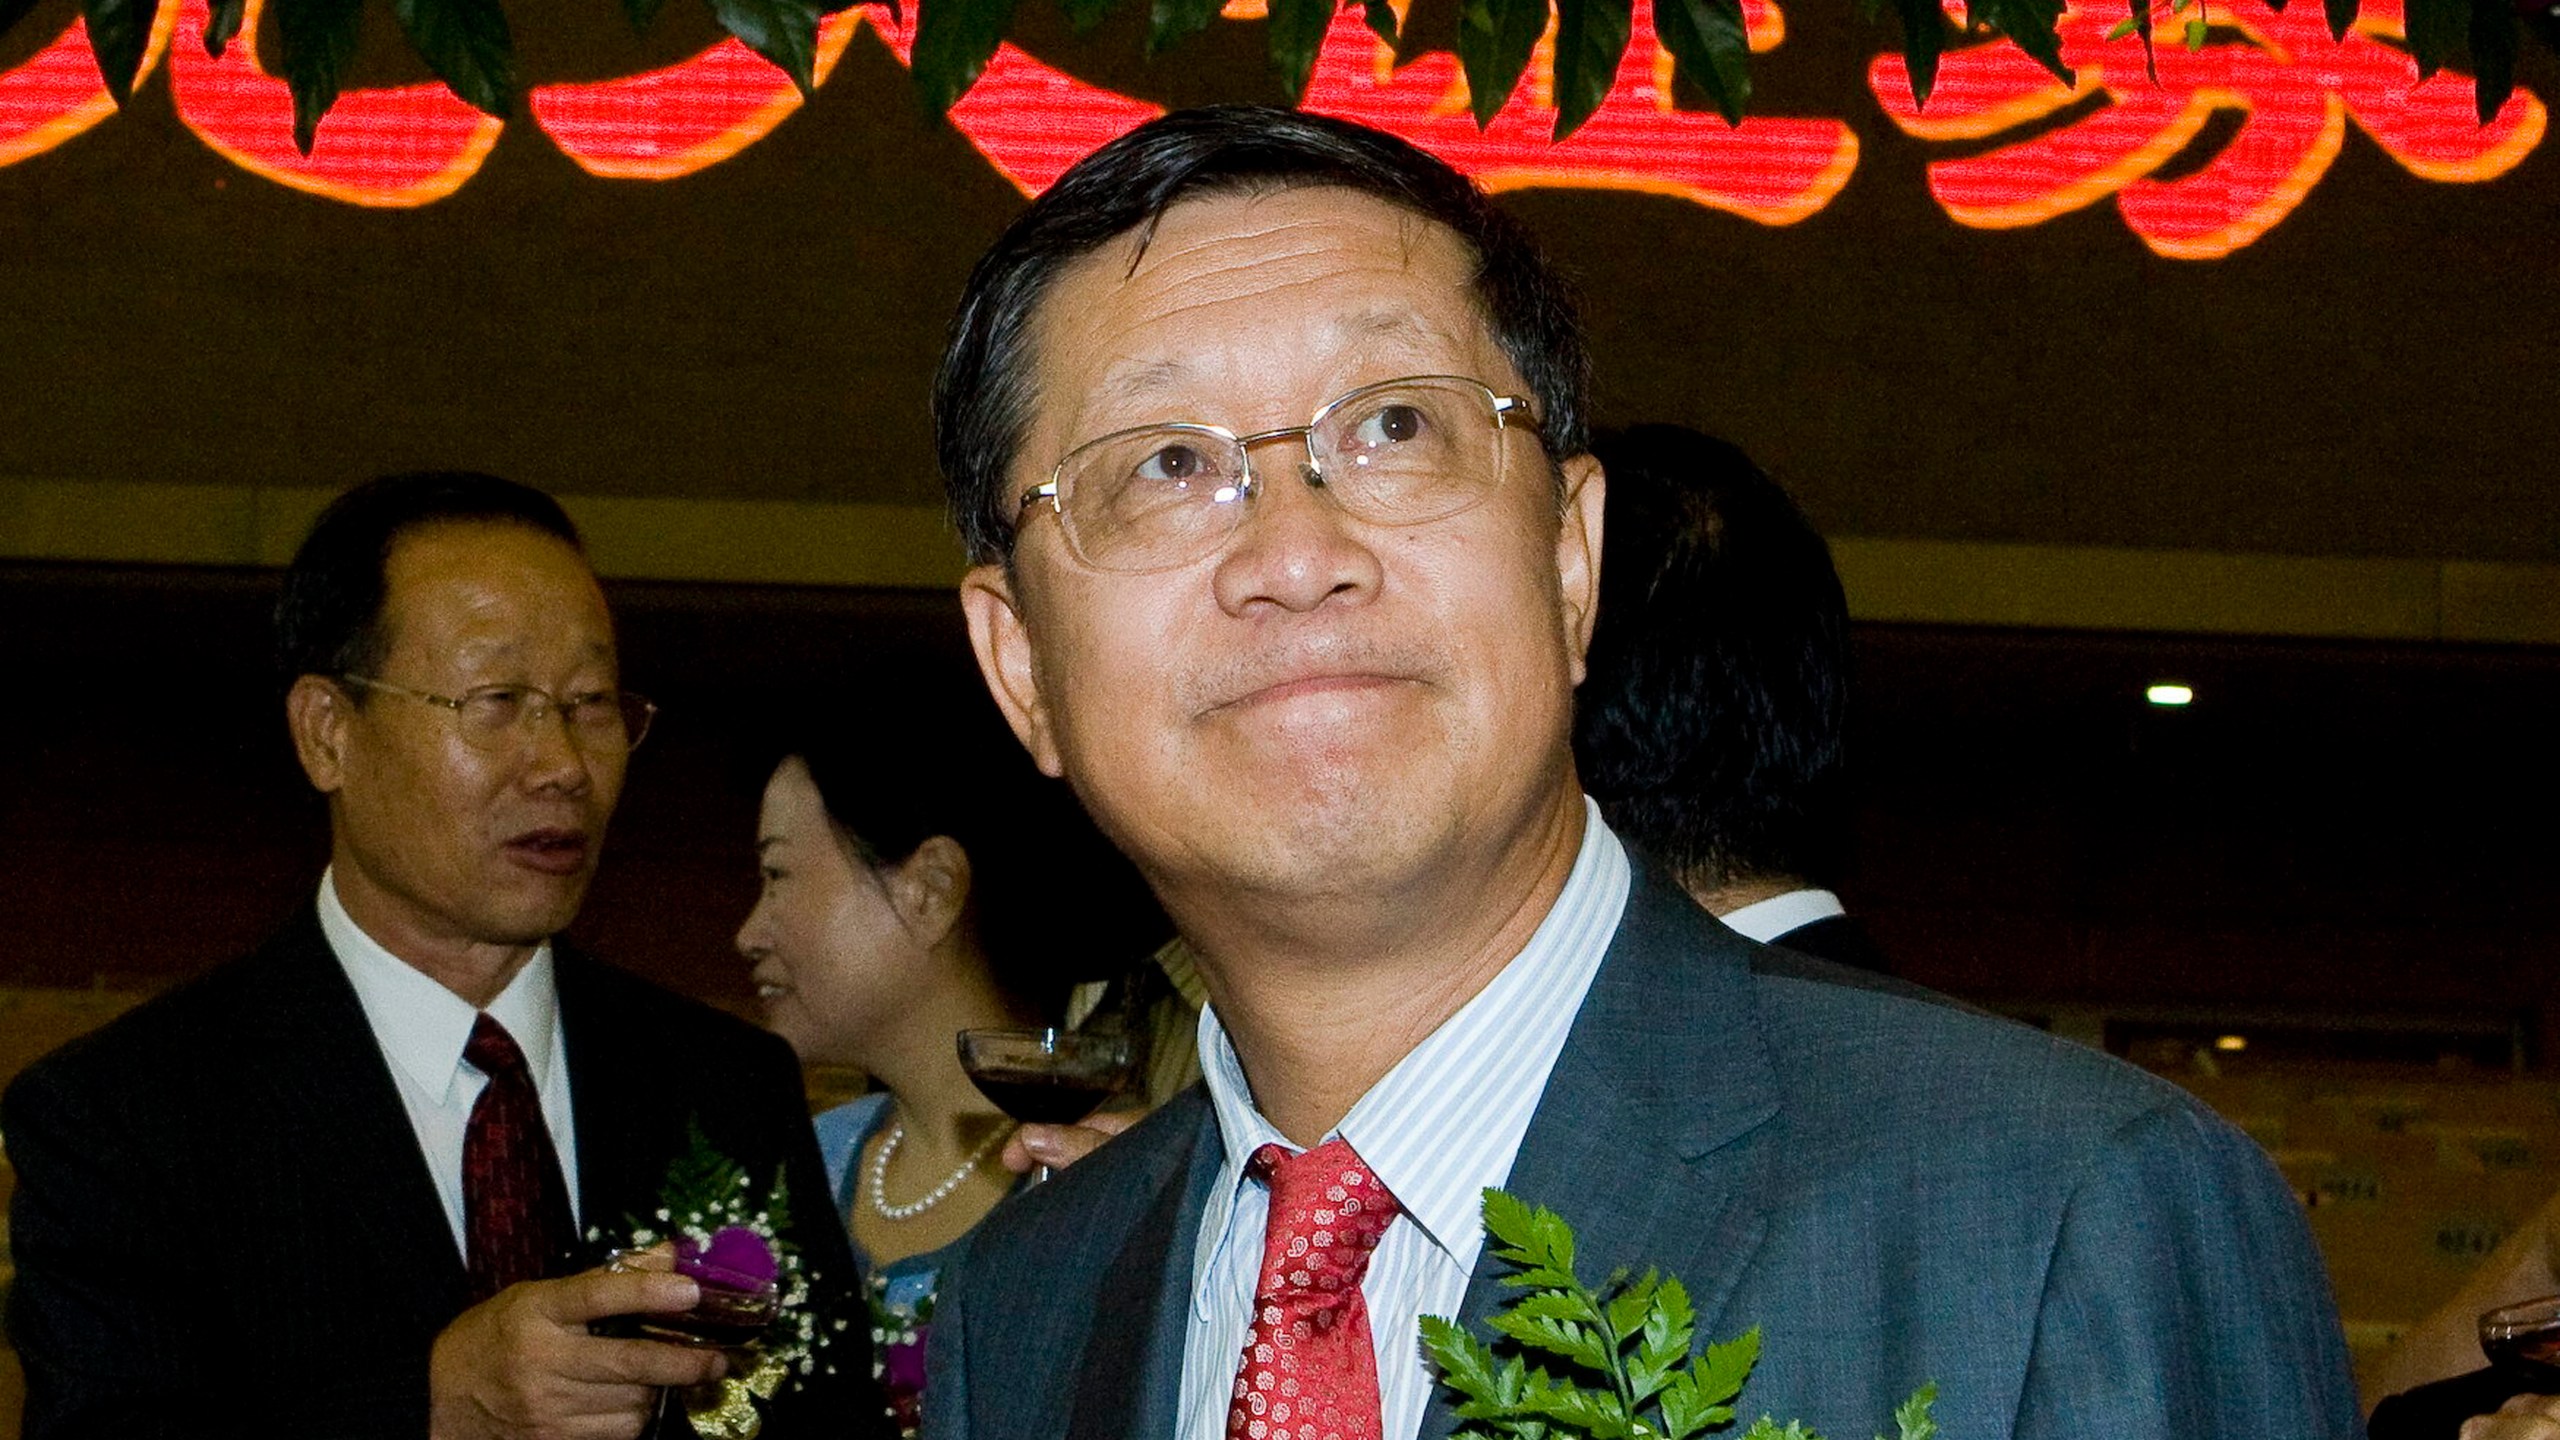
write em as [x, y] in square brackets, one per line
[337, 1188]
[1266, 434]
[1710, 728]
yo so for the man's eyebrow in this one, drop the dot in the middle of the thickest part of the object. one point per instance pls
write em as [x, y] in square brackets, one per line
[766, 842]
[1129, 383]
[1399, 324]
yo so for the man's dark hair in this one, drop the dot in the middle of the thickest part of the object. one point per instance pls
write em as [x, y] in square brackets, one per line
[982, 397]
[329, 619]
[1709, 727]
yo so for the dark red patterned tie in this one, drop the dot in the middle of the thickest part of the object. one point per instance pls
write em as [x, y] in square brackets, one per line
[1310, 1369]
[515, 1207]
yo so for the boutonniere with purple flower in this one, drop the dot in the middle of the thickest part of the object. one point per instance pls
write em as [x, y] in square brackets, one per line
[1632, 1335]
[712, 1224]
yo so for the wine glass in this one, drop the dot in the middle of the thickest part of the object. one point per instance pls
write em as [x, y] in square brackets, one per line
[2523, 1343]
[1047, 1077]
[732, 1315]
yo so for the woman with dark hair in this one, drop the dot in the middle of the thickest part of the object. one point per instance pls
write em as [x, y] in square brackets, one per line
[875, 939]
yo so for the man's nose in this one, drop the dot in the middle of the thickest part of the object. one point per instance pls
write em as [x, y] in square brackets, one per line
[1294, 547]
[556, 761]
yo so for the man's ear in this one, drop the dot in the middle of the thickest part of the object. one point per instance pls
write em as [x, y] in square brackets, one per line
[1578, 552]
[317, 713]
[930, 889]
[1002, 640]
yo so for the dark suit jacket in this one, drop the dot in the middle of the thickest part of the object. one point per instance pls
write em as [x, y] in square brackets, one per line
[1895, 1190]
[1839, 939]
[223, 1223]
[2436, 1411]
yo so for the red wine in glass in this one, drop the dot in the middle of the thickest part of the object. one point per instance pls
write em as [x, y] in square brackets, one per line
[1046, 1077]
[1039, 1097]
[2523, 1343]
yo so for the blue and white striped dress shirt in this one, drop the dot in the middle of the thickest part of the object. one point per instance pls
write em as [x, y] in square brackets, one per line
[1441, 1126]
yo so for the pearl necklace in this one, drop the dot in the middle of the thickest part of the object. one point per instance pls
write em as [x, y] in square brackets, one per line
[936, 1195]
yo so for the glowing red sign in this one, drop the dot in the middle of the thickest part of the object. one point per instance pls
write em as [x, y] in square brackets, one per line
[410, 145]
[2293, 84]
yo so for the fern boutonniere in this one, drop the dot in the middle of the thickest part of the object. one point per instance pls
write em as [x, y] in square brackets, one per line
[1632, 1336]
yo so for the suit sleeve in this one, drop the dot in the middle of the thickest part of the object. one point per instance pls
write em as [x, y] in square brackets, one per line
[96, 1311]
[946, 1368]
[2185, 1299]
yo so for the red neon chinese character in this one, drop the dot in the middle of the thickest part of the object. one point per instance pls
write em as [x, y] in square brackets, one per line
[1033, 122]
[671, 122]
[56, 93]
[1775, 171]
[2295, 85]
[404, 145]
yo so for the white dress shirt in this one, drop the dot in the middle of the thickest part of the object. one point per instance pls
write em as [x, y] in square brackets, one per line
[422, 1028]
[1766, 920]
[1441, 1126]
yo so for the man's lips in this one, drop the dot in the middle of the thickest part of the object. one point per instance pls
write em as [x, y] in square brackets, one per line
[551, 852]
[1308, 686]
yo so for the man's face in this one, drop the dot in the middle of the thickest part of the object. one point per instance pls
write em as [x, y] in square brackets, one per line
[1323, 704]
[439, 842]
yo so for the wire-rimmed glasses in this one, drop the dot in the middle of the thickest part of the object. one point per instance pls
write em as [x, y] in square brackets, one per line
[1400, 452]
[492, 717]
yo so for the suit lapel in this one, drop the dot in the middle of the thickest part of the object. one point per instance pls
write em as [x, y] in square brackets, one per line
[609, 1078]
[332, 1095]
[1635, 1139]
[1129, 1380]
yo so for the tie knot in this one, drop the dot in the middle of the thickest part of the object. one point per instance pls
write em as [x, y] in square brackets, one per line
[1327, 1213]
[492, 1051]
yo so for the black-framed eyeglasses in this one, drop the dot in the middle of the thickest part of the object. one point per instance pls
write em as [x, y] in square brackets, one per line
[492, 717]
[1400, 452]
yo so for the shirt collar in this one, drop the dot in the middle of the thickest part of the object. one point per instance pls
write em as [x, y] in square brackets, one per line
[1446, 1121]
[420, 1025]
[1766, 920]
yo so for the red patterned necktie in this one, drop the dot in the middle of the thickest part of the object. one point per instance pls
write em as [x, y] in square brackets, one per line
[515, 1206]
[1310, 1370]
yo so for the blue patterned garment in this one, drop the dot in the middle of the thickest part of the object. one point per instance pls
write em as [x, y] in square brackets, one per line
[901, 1291]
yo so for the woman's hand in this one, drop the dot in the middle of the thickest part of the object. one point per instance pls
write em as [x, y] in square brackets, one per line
[1059, 1146]
[2526, 1417]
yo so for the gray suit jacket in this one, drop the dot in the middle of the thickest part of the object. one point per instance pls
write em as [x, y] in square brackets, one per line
[1896, 1190]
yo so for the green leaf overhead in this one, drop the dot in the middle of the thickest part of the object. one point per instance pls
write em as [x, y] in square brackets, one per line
[1924, 38]
[1495, 38]
[2493, 54]
[1711, 45]
[221, 24]
[1591, 37]
[2031, 25]
[2436, 30]
[782, 31]
[318, 38]
[954, 41]
[119, 35]
[1295, 31]
[467, 43]
[1170, 22]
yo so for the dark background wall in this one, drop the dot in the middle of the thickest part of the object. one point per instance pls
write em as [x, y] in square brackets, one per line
[2332, 834]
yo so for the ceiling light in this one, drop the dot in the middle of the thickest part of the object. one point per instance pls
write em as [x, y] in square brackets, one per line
[2170, 695]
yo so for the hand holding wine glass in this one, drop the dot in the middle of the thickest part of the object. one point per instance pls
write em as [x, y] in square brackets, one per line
[1047, 1077]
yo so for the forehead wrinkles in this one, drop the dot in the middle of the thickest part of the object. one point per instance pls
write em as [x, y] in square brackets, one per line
[1135, 295]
